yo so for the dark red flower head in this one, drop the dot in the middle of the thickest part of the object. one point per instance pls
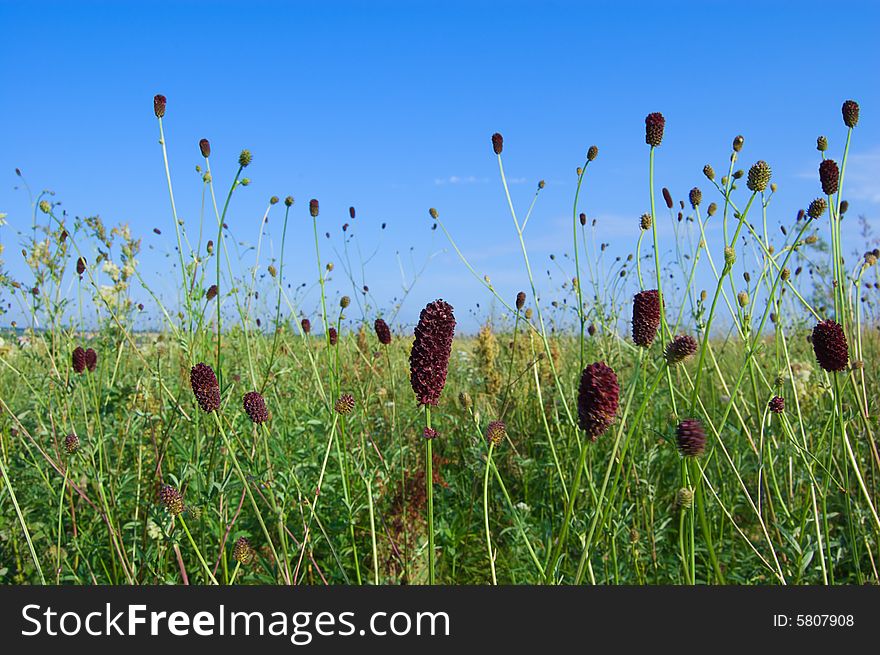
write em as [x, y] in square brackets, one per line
[205, 148]
[429, 433]
[313, 207]
[333, 335]
[646, 317]
[211, 293]
[777, 404]
[159, 105]
[306, 325]
[79, 359]
[829, 176]
[429, 359]
[829, 345]
[383, 332]
[205, 387]
[850, 112]
[598, 399]
[497, 143]
[351, 213]
[654, 126]
[680, 348]
[691, 438]
[520, 299]
[91, 360]
[80, 266]
[255, 407]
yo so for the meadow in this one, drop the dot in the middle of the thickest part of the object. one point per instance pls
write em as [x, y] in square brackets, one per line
[626, 426]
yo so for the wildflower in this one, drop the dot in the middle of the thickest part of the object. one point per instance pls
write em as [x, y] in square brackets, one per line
[159, 105]
[433, 213]
[313, 207]
[211, 293]
[288, 201]
[306, 325]
[696, 197]
[709, 172]
[592, 153]
[430, 433]
[520, 299]
[817, 208]
[691, 438]
[465, 400]
[91, 360]
[738, 142]
[345, 404]
[646, 317]
[654, 126]
[598, 399]
[383, 332]
[80, 266]
[205, 148]
[351, 213]
[71, 443]
[429, 358]
[79, 359]
[777, 404]
[684, 499]
[496, 432]
[759, 176]
[850, 111]
[830, 346]
[680, 348]
[255, 407]
[583, 218]
[821, 144]
[332, 335]
[171, 498]
[667, 197]
[344, 302]
[205, 387]
[243, 552]
[497, 143]
[829, 176]
[244, 159]
[645, 222]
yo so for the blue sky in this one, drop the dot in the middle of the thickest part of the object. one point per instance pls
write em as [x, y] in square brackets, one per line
[389, 107]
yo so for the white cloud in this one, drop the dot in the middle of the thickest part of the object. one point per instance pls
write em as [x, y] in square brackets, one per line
[862, 176]
[459, 179]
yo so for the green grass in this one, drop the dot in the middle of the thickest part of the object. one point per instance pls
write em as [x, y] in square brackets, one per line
[326, 498]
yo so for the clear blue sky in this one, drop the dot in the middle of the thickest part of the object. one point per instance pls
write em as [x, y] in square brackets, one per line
[389, 107]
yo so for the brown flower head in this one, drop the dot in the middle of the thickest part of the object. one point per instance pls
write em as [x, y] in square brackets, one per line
[850, 111]
[211, 293]
[430, 433]
[680, 348]
[429, 358]
[313, 207]
[255, 407]
[497, 143]
[830, 346]
[171, 498]
[598, 399]
[332, 335]
[243, 552]
[78, 359]
[646, 317]
[777, 404]
[71, 443]
[383, 332]
[91, 360]
[520, 299]
[667, 197]
[80, 266]
[496, 432]
[306, 325]
[654, 126]
[829, 176]
[691, 438]
[696, 197]
[159, 105]
[205, 387]
[345, 404]
[817, 208]
[205, 148]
